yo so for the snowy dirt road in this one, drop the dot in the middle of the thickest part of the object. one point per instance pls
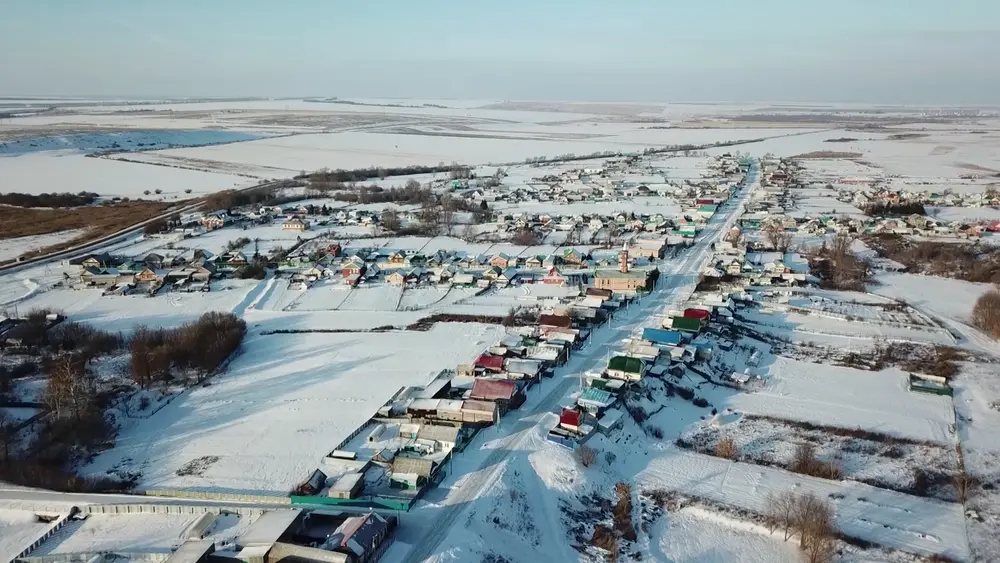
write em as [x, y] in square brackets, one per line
[676, 284]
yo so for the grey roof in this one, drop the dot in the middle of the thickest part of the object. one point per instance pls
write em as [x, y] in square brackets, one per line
[192, 551]
[414, 465]
[438, 433]
[268, 528]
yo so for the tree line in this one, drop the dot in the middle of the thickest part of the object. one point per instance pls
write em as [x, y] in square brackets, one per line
[78, 398]
[48, 200]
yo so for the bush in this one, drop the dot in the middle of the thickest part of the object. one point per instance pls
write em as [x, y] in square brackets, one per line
[726, 448]
[700, 402]
[986, 313]
[48, 200]
[154, 227]
[201, 346]
[654, 431]
[805, 462]
[585, 455]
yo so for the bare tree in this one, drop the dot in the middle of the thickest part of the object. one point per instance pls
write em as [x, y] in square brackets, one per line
[726, 448]
[784, 512]
[779, 238]
[585, 455]
[986, 313]
[8, 434]
[468, 233]
[964, 484]
[389, 219]
[430, 217]
[447, 219]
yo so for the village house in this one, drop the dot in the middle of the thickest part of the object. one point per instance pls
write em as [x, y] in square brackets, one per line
[215, 220]
[294, 223]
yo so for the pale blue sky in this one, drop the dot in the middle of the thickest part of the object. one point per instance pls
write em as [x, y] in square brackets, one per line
[886, 51]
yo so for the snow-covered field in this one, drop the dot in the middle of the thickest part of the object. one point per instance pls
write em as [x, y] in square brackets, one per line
[18, 530]
[122, 313]
[13, 247]
[134, 533]
[848, 398]
[284, 404]
[57, 171]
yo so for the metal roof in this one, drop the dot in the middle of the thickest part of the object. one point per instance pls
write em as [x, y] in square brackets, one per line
[268, 528]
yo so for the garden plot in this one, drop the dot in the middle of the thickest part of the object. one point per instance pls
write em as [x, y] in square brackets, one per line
[888, 313]
[692, 534]
[977, 406]
[887, 518]
[815, 202]
[282, 405]
[135, 533]
[849, 398]
[324, 295]
[421, 298]
[909, 466]
[277, 296]
[378, 297]
[830, 330]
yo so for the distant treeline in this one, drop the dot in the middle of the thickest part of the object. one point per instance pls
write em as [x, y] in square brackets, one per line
[886, 209]
[48, 200]
[363, 174]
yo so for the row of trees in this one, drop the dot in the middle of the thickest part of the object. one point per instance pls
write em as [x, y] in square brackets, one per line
[986, 313]
[836, 265]
[48, 200]
[326, 176]
[807, 516]
[199, 347]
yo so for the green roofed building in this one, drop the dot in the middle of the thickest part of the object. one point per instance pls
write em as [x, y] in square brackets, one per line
[626, 368]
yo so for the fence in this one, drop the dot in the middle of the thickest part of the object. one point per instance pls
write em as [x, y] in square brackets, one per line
[88, 555]
[172, 509]
[230, 497]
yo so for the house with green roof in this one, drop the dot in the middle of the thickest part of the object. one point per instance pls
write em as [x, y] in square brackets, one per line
[626, 368]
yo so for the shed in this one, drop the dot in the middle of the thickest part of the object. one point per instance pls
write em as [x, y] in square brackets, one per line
[447, 436]
[267, 528]
[611, 420]
[527, 368]
[694, 313]
[686, 324]
[349, 485]
[413, 465]
[192, 551]
[661, 336]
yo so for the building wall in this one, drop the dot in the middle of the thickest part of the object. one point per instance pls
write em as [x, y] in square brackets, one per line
[621, 284]
[284, 550]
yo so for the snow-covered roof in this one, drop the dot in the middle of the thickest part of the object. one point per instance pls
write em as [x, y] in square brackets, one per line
[268, 527]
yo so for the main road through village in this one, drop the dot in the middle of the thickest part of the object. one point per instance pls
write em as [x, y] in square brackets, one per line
[679, 277]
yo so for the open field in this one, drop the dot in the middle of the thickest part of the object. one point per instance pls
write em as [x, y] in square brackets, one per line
[849, 398]
[284, 404]
[18, 529]
[11, 248]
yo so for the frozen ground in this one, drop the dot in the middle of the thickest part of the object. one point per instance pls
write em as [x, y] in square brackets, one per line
[18, 530]
[849, 398]
[134, 533]
[11, 248]
[122, 313]
[56, 171]
[284, 404]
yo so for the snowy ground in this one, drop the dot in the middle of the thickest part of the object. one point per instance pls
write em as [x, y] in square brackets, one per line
[284, 404]
[18, 530]
[13, 247]
[135, 533]
[848, 398]
[122, 313]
